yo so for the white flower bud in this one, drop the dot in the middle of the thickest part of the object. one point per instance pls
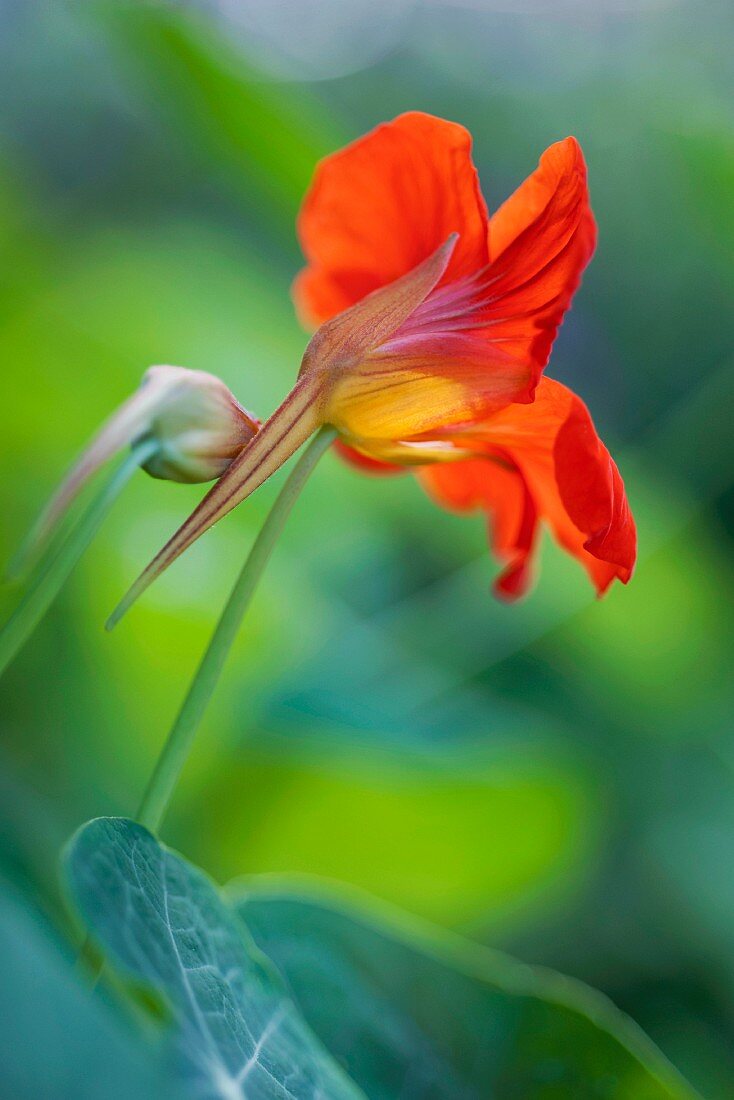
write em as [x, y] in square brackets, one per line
[197, 423]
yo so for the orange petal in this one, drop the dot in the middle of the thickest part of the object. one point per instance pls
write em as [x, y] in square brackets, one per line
[556, 469]
[506, 314]
[541, 239]
[501, 492]
[383, 204]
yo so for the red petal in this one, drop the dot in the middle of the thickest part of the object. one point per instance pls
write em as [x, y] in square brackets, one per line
[541, 239]
[592, 493]
[383, 204]
[501, 492]
[558, 469]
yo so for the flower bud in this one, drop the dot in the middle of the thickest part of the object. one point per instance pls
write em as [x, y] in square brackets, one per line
[194, 420]
[197, 423]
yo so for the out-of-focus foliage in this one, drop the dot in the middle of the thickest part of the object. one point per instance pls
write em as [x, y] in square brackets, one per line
[55, 1040]
[411, 1012]
[555, 777]
[402, 1011]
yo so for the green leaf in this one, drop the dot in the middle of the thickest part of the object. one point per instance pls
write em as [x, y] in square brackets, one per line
[58, 1041]
[236, 1032]
[422, 1014]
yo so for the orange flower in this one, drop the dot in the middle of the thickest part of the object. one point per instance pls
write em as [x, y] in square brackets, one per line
[436, 324]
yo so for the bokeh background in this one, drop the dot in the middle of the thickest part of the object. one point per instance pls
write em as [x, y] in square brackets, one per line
[555, 778]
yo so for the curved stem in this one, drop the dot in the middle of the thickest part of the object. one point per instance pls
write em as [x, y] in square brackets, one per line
[52, 573]
[178, 744]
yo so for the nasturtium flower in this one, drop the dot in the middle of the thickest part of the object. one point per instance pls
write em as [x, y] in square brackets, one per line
[436, 321]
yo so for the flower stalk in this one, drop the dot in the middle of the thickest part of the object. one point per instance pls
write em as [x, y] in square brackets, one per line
[61, 560]
[176, 749]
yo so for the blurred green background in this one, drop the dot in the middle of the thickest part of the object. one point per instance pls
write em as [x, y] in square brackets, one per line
[555, 777]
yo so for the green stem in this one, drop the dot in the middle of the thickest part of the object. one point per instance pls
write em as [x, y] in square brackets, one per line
[178, 745]
[55, 570]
